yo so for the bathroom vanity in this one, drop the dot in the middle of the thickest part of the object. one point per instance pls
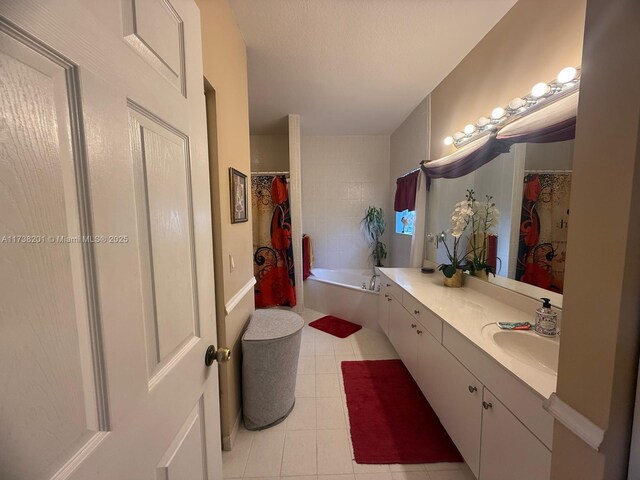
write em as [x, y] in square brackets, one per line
[486, 385]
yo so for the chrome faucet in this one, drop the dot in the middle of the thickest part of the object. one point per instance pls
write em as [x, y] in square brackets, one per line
[372, 282]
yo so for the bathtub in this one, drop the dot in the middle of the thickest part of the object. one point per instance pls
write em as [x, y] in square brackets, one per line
[340, 293]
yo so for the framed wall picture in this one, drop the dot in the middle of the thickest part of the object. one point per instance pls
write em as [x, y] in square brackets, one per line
[238, 192]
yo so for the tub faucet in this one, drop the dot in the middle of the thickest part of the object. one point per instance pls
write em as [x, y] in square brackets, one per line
[372, 282]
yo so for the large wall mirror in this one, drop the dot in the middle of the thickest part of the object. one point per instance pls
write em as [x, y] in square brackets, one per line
[530, 186]
[525, 170]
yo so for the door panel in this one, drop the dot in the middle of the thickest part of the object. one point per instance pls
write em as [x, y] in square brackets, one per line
[155, 30]
[163, 184]
[49, 398]
[117, 319]
[185, 459]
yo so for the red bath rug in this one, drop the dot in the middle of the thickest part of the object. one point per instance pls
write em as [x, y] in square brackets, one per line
[335, 326]
[391, 421]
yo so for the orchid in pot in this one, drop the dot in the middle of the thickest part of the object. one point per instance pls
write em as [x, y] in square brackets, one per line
[484, 219]
[460, 219]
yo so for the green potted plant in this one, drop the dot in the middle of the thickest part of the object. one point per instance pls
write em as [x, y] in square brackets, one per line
[373, 226]
[483, 221]
[460, 219]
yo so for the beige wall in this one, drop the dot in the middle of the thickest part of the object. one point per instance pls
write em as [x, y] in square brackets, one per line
[225, 68]
[601, 316]
[530, 44]
[409, 146]
[269, 153]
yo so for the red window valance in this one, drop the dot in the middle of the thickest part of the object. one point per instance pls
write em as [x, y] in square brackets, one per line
[406, 187]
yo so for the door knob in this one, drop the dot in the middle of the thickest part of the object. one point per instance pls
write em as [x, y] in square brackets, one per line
[413, 325]
[221, 355]
[417, 312]
[419, 332]
[486, 405]
[472, 389]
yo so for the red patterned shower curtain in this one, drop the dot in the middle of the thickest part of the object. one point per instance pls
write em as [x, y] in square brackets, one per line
[273, 252]
[543, 230]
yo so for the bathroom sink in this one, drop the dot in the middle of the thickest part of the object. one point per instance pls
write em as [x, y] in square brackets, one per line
[527, 346]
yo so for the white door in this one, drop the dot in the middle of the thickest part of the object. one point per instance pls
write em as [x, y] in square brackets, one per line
[106, 265]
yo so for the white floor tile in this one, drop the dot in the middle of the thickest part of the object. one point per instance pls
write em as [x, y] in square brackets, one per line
[306, 386]
[336, 477]
[326, 364]
[327, 385]
[423, 475]
[324, 348]
[234, 461]
[409, 467]
[307, 349]
[330, 414]
[265, 457]
[447, 475]
[307, 365]
[303, 415]
[299, 456]
[343, 348]
[374, 476]
[369, 468]
[334, 456]
[443, 466]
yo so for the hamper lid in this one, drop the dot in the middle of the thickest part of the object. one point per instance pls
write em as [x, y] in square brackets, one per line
[267, 324]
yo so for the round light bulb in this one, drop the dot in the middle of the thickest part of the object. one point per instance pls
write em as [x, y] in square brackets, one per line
[539, 90]
[497, 113]
[458, 135]
[469, 129]
[483, 122]
[566, 75]
[448, 141]
[517, 103]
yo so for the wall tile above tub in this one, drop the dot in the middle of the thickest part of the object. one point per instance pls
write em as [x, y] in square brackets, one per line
[341, 177]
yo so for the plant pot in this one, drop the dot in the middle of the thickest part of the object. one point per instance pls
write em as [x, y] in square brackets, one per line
[455, 281]
[481, 274]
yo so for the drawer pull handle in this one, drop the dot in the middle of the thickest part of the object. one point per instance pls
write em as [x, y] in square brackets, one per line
[388, 299]
[386, 295]
[419, 332]
[417, 312]
[388, 284]
[472, 389]
[413, 325]
[486, 405]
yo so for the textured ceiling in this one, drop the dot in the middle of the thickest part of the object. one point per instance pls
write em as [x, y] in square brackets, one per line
[353, 67]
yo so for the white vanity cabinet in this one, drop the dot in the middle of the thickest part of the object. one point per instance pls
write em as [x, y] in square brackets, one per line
[493, 432]
[384, 299]
[403, 335]
[508, 449]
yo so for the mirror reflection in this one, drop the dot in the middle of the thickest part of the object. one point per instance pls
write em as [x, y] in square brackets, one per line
[530, 186]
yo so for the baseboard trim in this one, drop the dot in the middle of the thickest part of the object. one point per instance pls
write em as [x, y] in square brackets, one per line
[235, 300]
[581, 426]
[228, 441]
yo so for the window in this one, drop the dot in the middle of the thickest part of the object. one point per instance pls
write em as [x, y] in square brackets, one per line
[405, 222]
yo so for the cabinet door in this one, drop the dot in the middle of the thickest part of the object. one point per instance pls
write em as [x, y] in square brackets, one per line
[429, 370]
[508, 449]
[402, 333]
[383, 308]
[459, 407]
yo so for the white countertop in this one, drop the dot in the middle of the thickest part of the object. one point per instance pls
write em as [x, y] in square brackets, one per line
[467, 311]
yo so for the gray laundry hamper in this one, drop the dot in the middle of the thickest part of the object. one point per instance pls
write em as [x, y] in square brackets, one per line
[270, 350]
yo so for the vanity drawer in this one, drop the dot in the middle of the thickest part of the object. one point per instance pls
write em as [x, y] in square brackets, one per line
[523, 402]
[392, 288]
[426, 317]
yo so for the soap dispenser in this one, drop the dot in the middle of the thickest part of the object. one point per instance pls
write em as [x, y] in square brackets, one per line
[546, 319]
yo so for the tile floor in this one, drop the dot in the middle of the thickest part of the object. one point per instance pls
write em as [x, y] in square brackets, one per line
[313, 443]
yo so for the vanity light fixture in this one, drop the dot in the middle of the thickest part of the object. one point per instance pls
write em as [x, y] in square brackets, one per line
[497, 113]
[483, 122]
[540, 90]
[567, 79]
[566, 75]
